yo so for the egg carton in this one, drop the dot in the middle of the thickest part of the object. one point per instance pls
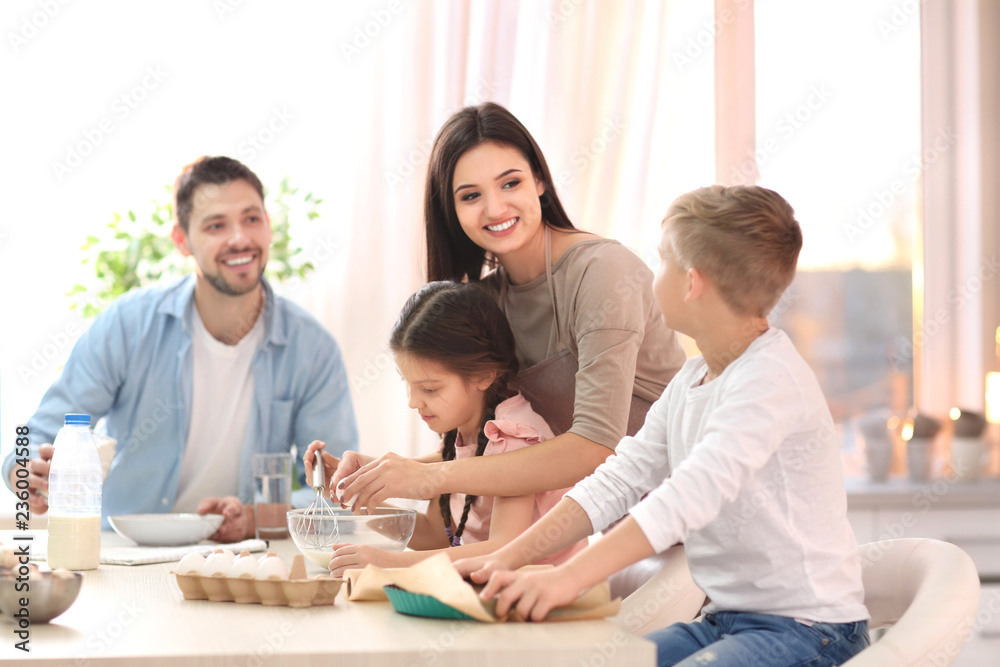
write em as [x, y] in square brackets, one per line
[298, 590]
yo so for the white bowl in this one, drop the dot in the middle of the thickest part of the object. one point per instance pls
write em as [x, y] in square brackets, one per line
[165, 530]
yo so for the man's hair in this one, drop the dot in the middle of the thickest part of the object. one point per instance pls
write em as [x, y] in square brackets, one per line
[208, 170]
[744, 238]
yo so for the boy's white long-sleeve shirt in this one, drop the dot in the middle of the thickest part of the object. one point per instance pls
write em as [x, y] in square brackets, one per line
[755, 491]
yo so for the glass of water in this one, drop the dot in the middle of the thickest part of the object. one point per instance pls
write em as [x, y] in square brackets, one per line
[272, 494]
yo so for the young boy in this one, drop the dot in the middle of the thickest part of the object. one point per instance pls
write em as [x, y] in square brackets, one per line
[755, 489]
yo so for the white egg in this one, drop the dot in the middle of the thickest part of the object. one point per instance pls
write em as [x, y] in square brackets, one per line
[269, 554]
[244, 565]
[219, 562]
[191, 564]
[272, 568]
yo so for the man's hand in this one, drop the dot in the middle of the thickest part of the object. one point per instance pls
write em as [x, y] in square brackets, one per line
[38, 479]
[237, 521]
[532, 594]
[389, 476]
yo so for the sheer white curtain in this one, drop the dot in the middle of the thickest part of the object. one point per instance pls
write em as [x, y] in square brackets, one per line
[615, 95]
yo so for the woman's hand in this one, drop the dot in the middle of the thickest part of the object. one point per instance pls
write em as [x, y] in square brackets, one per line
[237, 521]
[354, 556]
[389, 476]
[350, 464]
[532, 594]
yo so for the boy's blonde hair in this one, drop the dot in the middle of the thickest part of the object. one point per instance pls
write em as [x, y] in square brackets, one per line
[744, 238]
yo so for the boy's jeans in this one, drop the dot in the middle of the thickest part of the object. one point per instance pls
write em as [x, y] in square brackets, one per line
[743, 639]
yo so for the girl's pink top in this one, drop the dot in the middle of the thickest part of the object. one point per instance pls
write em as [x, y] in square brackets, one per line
[516, 426]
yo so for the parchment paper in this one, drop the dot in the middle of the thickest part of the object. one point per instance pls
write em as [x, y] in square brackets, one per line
[438, 578]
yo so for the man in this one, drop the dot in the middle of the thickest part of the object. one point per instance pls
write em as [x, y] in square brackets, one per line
[195, 377]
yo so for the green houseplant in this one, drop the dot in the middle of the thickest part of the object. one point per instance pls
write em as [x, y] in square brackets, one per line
[135, 250]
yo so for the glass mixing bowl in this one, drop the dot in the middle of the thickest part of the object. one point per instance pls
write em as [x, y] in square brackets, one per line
[316, 532]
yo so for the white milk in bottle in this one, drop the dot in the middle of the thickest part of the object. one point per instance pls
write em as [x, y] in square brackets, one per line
[75, 481]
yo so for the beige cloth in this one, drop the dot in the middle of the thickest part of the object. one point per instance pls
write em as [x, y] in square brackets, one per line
[438, 578]
[608, 320]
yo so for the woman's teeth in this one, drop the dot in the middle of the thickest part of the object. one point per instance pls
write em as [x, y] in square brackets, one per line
[502, 226]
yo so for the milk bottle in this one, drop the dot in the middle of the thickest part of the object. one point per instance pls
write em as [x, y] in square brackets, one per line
[75, 481]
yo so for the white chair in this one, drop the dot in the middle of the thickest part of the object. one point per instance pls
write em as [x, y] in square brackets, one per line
[658, 592]
[926, 592]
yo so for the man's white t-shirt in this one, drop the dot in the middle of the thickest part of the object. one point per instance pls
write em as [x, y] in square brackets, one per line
[220, 408]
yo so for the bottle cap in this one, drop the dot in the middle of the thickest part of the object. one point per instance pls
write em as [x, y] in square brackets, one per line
[73, 419]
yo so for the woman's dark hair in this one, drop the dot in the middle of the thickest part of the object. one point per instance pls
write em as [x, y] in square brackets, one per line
[460, 327]
[451, 254]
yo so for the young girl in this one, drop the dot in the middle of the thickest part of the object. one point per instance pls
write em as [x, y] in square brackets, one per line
[455, 351]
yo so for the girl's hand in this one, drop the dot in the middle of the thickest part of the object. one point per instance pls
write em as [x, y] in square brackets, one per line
[330, 462]
[352, 556]
[389, 476]
[533, 594]
[480, 568]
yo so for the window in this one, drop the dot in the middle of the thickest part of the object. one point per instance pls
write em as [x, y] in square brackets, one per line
[838, 134]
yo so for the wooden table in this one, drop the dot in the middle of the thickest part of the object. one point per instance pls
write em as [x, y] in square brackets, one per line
[137, 616]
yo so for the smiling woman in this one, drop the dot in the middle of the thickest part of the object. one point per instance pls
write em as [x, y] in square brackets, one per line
[589, 336]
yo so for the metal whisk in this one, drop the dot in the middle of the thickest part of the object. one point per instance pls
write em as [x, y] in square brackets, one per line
[322, 531]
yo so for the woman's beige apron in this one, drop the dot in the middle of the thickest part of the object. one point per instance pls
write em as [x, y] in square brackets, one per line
[550, 385]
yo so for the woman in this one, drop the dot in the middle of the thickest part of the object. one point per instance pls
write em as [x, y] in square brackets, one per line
[589, 333]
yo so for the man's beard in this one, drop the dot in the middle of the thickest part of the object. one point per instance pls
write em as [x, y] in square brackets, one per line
[220, 284]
